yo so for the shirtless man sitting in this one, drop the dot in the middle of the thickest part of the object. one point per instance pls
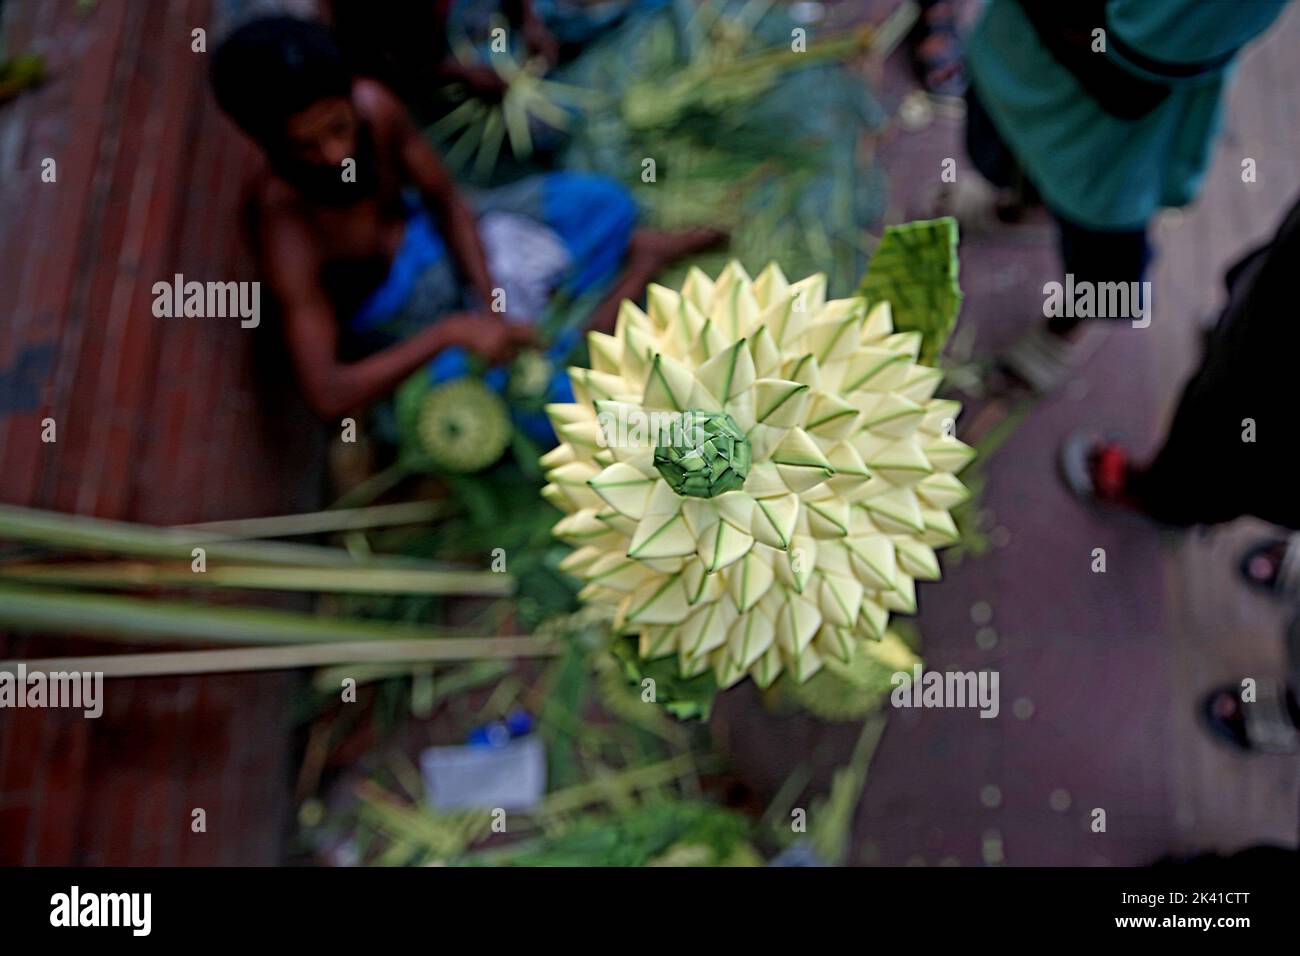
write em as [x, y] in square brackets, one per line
[334, 212]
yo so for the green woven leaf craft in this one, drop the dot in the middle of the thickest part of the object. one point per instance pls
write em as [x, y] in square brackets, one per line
[703, 455]
[915, 270]
[458, 427]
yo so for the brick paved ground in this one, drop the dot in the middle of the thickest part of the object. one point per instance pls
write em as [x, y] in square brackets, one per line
[159, 420]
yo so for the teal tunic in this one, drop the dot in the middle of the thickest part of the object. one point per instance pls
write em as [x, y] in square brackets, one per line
[1091, 167]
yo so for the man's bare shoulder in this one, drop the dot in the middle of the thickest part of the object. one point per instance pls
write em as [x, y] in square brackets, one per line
[281, 213]
[380, 108]
[275, 200]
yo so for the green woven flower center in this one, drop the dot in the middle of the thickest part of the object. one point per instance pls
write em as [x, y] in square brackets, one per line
[703, 454]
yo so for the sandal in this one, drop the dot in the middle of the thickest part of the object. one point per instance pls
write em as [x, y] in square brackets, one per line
[1097, 470]
[1274, 566]
[1040, 362]
[1265, 725]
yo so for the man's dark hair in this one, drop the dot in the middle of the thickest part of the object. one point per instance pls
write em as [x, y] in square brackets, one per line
[271, 68]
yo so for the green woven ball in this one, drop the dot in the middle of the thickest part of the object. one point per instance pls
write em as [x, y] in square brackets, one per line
[703, 454]
[463, 426]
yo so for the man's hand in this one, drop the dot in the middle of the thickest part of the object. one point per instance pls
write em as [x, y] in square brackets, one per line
[488, 335]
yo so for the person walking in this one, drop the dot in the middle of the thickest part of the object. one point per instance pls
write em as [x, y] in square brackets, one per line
[1107, 110]
[1228, 453]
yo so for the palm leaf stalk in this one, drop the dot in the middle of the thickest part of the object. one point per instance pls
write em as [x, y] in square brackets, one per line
[767, 178]
[129, 575]
[618, 785]
[476, 129]
[414, 834]
[142, 620]
[417, 833]
[474, 674]
[330, 521]
[394, 655]
[715, 84]
[54, 530]
[832, 826]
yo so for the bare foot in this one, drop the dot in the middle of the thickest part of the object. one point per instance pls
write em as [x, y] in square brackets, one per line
[661, 247]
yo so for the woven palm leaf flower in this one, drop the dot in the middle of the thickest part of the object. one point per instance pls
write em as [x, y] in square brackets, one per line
[460, 426]
[528, 104]
[753, 476]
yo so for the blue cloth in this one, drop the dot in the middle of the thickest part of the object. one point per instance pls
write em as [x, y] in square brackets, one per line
[594, 218]
[422, 248]
[454, 363]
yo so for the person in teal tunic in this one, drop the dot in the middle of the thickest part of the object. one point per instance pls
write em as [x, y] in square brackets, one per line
[1108, 110]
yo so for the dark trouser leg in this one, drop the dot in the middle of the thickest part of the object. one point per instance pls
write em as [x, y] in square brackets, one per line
[1198, 476]
[1097, 256]
[984, 145]
[1228, 451]
[1091, 255]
